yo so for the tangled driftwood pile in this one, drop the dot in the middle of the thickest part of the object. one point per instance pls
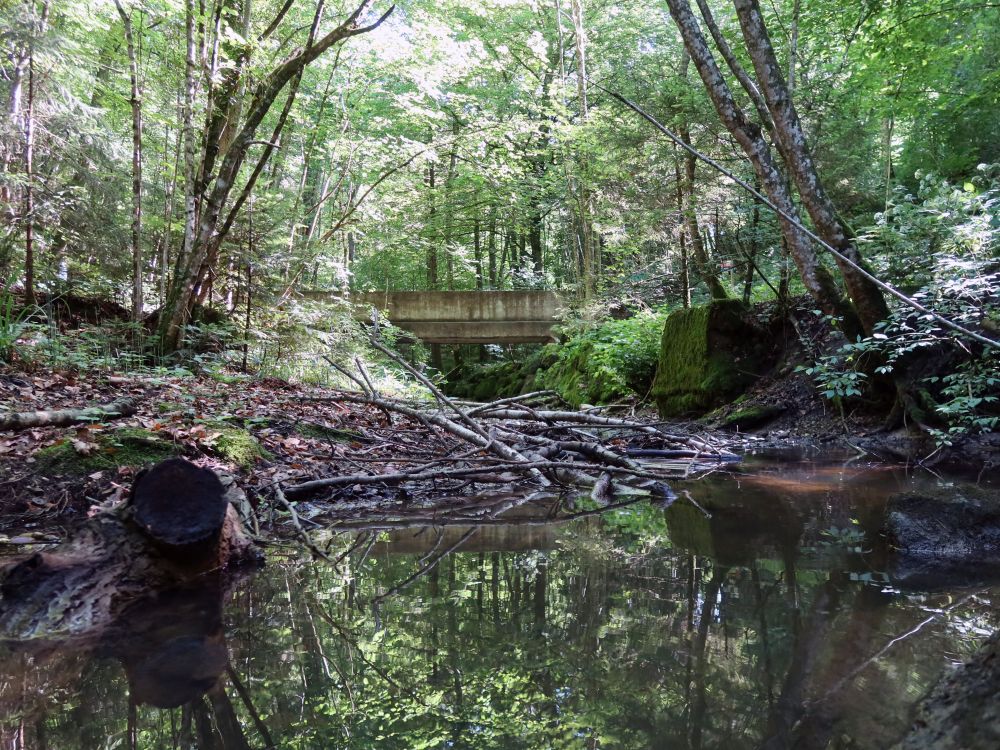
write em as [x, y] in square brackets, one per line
[466, 463]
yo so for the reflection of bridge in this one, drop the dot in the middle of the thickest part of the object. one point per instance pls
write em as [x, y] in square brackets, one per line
[467, 317]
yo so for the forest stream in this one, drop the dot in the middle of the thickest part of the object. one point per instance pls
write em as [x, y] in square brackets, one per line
[640, 626]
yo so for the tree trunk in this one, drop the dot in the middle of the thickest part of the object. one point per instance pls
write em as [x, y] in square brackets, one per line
[816, 279]
[477, 251]
[867, 298]
[218, 182]
[585, 229]
[432, 256]
[136, 105]
[702, 262]
[62, 417]
[179, 525]
[491, 247]
[29, 186]
[679, 195]
[188, 134]
[449, 209]
[754, 245]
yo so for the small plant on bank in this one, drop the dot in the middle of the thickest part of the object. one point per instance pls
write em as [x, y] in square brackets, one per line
[13, 324]
[945, 244]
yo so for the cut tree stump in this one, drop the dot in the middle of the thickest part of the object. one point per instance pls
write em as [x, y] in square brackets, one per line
[180, 523]
[181, 508]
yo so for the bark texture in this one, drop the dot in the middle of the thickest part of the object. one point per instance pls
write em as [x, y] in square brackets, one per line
[136, 106]
[123, 407]
[867, 298]
[179, 525]
[817, 280]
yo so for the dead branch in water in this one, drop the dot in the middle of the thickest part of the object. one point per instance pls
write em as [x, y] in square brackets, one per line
[450, 449]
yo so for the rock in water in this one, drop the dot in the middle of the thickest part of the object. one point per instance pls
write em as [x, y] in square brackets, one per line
[949, 536]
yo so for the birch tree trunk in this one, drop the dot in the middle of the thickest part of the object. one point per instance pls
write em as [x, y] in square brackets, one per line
[585, 229]
[817, 280]
[867, 298]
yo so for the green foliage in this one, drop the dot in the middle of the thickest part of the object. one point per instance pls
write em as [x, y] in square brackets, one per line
[13, 324]
[837, 375]
[109, 347]
[971, 405]
[941, 239]
[610, 361]
[946, 243]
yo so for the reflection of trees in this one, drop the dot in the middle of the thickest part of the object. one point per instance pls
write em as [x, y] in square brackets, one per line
[611, 639]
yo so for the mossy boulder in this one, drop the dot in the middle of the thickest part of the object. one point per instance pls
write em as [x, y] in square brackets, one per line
[128, 446]
[237, 446]
[708, 355]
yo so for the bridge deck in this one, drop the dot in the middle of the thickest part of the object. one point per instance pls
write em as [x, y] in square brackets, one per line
[493, 317]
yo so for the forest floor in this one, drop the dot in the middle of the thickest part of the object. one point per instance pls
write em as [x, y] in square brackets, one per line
[268, 433]
[265, 431]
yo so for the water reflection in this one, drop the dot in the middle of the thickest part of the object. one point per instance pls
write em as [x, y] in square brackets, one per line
[638, 628]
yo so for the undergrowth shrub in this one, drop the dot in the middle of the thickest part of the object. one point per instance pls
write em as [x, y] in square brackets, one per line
[607, 362]
[945, 244]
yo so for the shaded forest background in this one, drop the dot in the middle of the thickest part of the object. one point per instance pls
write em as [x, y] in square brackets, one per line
[228, 155]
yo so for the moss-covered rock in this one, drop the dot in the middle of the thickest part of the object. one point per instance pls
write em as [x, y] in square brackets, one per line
[708, 354]
[127, 446]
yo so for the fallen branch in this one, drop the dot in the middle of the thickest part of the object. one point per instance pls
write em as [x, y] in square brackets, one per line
[418, 475]
[124, 407]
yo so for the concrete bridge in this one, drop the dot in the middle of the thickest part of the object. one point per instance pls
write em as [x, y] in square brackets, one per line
[492, 317]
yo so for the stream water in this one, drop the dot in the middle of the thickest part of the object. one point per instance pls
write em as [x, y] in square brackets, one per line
[779, 622]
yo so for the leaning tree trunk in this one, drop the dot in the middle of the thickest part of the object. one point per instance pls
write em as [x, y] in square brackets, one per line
[868, 300]
[817, 280]
[226, 146]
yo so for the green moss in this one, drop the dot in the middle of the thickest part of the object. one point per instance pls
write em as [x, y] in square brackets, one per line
[708, 354]
[752, 416]
[497, 379]
[166, 407]
[128, 446]
[237, 446]
[322, 432]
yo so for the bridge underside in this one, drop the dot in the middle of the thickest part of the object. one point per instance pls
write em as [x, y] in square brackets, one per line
[478, 332]
[492, 317]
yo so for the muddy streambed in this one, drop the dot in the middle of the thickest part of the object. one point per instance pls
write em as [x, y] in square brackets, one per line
[781, 621]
